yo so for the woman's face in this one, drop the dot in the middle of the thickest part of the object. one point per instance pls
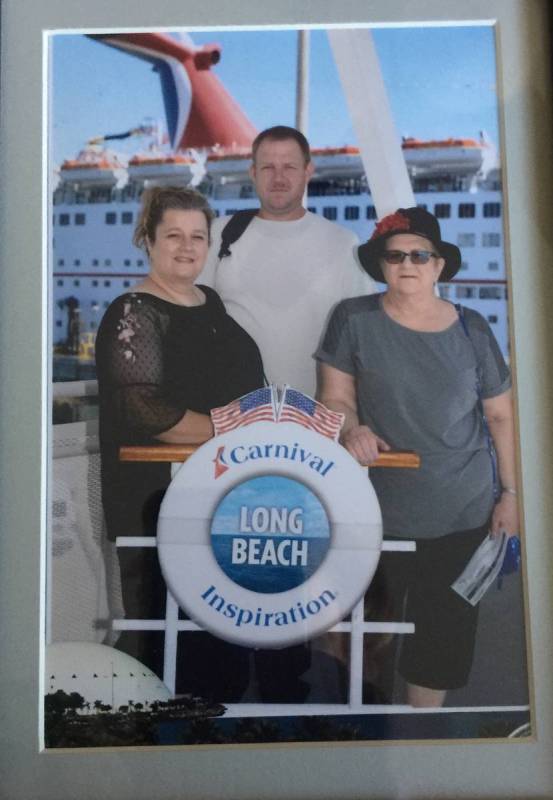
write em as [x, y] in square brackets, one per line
[407, 278]
[179, 251]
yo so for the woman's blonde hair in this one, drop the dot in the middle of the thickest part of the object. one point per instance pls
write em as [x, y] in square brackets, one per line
[159, 199]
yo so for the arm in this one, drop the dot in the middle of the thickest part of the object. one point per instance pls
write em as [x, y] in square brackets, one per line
[208, 275]
[192, 428]
[499, 413]
[130, 356]
[337, 392]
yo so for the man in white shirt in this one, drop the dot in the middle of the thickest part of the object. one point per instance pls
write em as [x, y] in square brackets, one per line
[289, 267]
[283, 276]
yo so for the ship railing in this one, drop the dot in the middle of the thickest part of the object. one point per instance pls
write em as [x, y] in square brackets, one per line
[356, 626]
[82, 562]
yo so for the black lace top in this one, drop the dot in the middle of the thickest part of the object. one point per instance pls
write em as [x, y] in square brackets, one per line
[155, 360]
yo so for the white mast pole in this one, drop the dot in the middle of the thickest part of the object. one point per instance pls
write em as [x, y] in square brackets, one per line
[302, 82]
[379, 142]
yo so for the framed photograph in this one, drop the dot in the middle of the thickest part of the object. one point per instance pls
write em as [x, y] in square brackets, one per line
[63, 643]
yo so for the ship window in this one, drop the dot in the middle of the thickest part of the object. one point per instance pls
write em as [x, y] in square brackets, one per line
[330, 212]
[126, 283]
[465, 291]
[351, 212]
[127, 262]
[491, 240]
[492, 209]
[139, 262]
[231, 211]
[95, 283]
[492, 318]
[312, 209]
[76, 282]
[61, 262]
[442, 210]
[490, 293]
[126, 217]
[111, 217]
[63, 219]
[467, 210]
[464, 265]
[58, 323]
[107, 262]
[444, 291]
[422, 205]
[466, 239]
[100, 195]
[53, 219]
[371, 212]
[60, 283]
[107, 283]
[95, 262]
[246, 191]
[493, 266]
[79, 219]
[77, 262]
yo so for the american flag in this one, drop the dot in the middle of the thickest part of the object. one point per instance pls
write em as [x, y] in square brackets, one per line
[253, 407]
[299, 408]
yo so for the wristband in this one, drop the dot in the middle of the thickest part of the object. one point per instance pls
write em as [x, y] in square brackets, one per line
[508, 490]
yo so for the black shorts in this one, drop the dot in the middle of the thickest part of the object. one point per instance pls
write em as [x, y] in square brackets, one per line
[416, 587]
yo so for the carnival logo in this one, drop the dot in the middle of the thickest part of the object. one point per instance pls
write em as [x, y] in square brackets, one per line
[273, 450]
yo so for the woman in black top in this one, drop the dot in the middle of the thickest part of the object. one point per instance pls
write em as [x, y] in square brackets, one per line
[166, 354]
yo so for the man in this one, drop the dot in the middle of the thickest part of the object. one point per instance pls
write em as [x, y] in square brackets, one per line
[289, 267]
[283, 276]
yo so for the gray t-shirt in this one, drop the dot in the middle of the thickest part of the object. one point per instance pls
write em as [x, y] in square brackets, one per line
[418, 391]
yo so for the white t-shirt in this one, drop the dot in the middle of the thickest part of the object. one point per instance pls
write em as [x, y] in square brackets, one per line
[280, 283]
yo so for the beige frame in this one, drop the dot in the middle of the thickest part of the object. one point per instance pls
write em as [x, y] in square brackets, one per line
[474, 770]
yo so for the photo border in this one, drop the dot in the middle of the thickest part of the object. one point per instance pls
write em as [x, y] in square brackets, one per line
[323, 770]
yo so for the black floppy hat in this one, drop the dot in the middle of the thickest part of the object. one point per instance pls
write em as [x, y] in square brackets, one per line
[414, 220]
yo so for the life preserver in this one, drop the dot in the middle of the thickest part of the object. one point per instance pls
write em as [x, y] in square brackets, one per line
[268, 535]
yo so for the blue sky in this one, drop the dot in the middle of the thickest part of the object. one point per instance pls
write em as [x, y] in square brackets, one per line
[441, 82]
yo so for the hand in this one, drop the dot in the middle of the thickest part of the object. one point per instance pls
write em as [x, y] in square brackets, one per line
[505, 516]
[363, 444]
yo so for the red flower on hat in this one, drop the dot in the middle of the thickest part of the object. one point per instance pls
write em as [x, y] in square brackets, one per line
[393, 222]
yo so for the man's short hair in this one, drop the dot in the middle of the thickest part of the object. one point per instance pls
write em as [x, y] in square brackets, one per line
[279, 133]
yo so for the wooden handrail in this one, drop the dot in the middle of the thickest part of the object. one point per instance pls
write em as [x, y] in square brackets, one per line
[180, 452]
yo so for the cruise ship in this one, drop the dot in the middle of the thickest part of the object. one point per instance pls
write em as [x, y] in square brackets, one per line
[97, 194]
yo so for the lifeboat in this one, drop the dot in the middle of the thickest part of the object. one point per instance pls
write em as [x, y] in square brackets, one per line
[337, 162]
[162, 168]
[92, 167]
[438, 157]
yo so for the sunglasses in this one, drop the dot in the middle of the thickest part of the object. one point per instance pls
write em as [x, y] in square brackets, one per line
[415, 256]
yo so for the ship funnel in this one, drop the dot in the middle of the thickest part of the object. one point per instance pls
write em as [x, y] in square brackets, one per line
[199, 110]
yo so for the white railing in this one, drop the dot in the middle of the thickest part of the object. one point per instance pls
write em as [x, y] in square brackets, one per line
[356, 628]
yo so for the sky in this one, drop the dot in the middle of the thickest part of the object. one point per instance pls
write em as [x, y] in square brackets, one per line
[441, 83]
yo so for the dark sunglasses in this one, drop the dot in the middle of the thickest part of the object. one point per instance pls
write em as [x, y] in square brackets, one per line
[415, 256]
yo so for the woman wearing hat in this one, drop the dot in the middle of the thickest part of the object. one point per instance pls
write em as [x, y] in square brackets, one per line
[412, 371]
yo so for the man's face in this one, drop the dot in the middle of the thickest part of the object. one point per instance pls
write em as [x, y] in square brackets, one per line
[280, 175]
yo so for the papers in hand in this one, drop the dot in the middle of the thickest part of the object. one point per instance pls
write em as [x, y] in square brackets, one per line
[482, 569]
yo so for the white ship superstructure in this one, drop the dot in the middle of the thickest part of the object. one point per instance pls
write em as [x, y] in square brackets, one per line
[97, 199]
